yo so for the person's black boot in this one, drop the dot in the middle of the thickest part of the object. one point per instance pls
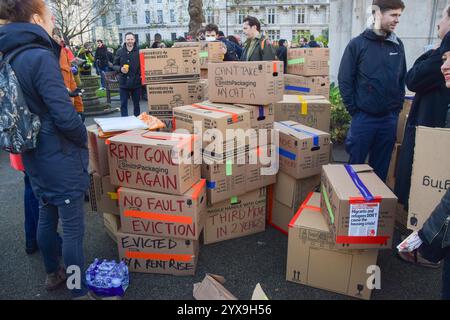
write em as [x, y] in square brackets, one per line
[31, 247]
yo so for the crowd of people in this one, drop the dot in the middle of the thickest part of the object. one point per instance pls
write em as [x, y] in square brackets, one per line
[372, 81]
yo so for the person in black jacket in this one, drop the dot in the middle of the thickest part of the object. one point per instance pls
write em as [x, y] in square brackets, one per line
[372, 85]
[282, 53]
[313, 43]
[430, 106]
[101, 61]
[127, 62]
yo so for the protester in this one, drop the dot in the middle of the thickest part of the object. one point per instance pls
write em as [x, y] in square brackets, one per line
[57, 168]
[127, 62]
[256, 48]
[303, 43]
[237, 46]
[158, 44]
[212, 34]
[313, 43]
[282, 53]
[85, 53]
[429, 108]
[101, 61]
[372, 85]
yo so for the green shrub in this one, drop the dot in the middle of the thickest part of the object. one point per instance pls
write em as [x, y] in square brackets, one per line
[340, 118]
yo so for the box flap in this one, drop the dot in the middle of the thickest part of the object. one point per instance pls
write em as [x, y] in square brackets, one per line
[211, 289]
[150, 138]
[297, 130]
[309, 215]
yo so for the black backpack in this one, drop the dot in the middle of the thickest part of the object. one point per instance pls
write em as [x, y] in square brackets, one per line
[18, 126]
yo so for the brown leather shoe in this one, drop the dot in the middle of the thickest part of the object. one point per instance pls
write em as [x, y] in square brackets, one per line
[55, 280]
[416, 259]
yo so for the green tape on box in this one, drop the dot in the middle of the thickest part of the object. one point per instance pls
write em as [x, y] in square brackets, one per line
[204, 54]
[234, 200]
[229, 168]
[296, 61]
[328, 204]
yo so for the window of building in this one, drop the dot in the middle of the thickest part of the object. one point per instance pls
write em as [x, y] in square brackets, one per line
[241, 16]
[147, 17]
[133, 1]
[301, 15]
[273, 35]
[120, 38]
[147, 1]
[118, 19]
[137, 39]
[271, 16]
[103, 21]
[134, 17]
[148, 38]
[174, 36]
[160, 16]
[172, 15]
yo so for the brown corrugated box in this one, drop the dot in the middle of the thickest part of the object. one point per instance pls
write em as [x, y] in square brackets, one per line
[289, 195]
[148, 254]
[209, 51]
[236, 217]
[162, 215]
[393, 166]
[98, 152]
[430, 175]
[314, 260]
[371, 226]
[309, 61]
[103, 195]
[317, 86]
[147, 160]
[261, 117]
[163, 97]
[311, 111]
[112, 225]
[170, 65]
[234, 179]
[258, 83]
[303, 150]
[403, 117]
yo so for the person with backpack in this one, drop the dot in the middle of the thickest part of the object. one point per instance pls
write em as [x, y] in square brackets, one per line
[257, 47]
[55, 154]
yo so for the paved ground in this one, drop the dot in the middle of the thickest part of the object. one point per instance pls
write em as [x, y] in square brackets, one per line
[243, 262]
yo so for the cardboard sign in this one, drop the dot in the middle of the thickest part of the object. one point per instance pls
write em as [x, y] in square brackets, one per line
[148, 254]
[103, 195]
[163, 97]
[309, 61]
[307, 86]
[311, 111]
[157, 214]
[170, 65]
[358, 206]
[236, 217]
[430, 176]
[303, 150]
[289, 195]
[315, 260]
[149, 161]
[258, 83]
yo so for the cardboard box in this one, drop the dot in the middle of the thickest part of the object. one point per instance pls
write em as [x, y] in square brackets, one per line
[219, 117]
[309, 61]
[235, 218]
[162, 215]
[289, 195]
[403, 117]
[401, 219]
[317, 86]
[204, 74]
[163, 97]
[98, 152]
[211, 288]
[392, 173]
[430, 176]
[314, 260]
[170, 65]
[227, 180]
[261, 117]
[103, 195]
[356, 221]
[311, 111]
[153, 161]
[209, 51]
[148, 254]
[112, 225]
[303, 150]
[258, 83]
[168, 122]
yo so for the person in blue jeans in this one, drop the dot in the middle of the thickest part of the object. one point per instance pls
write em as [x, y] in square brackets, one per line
[372, 84]
[31, 206]
[58, 166]
[127, 62]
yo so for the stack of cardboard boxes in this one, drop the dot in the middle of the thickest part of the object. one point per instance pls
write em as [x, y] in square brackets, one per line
[162, 200]
[241, 98]
[172, 79]
[336, 234]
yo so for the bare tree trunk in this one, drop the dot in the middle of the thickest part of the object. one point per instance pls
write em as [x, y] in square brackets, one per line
[196, 15]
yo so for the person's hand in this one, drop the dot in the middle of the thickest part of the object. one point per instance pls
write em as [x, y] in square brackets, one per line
[124, 70]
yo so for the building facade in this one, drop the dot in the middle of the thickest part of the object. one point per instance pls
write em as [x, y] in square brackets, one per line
[281, 19]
